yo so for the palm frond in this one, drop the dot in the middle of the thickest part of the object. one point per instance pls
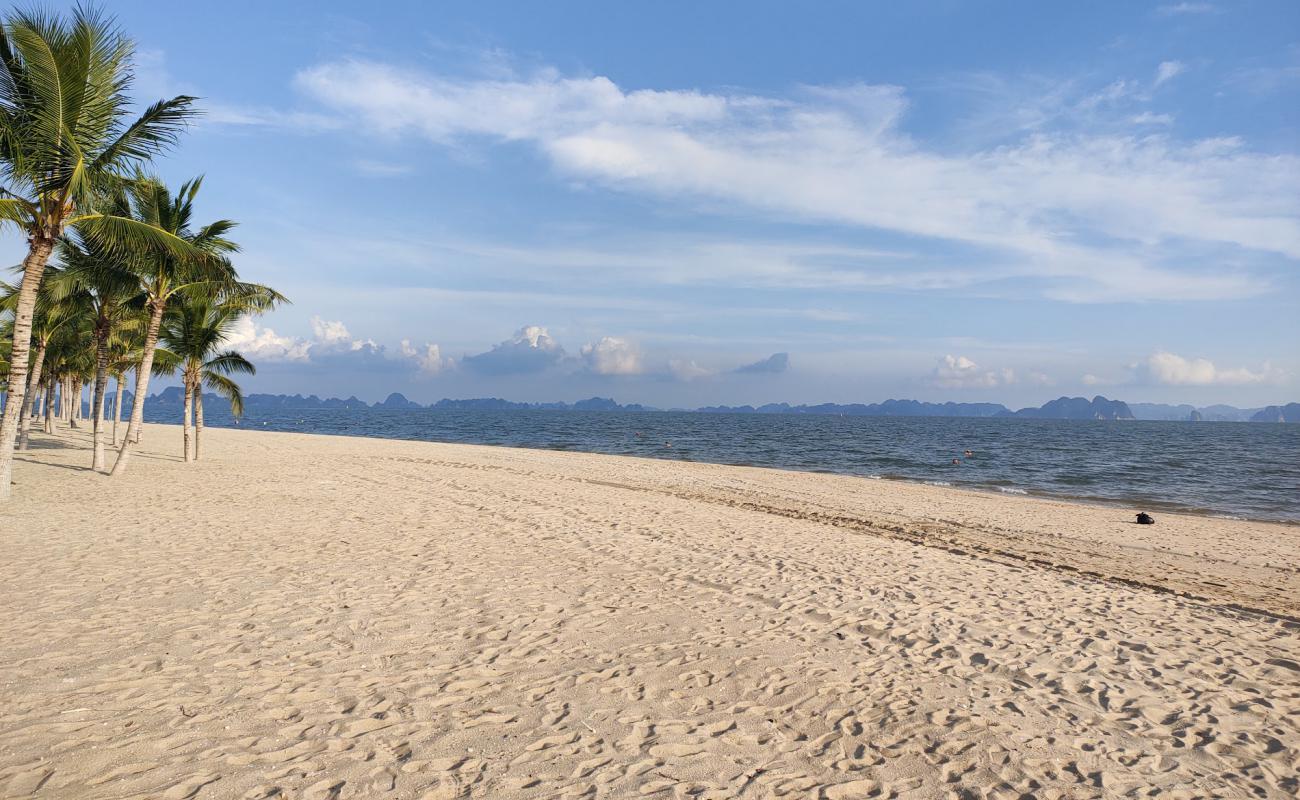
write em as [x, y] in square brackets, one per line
[127, 237]
[230, 363]
[158, 128]
[228, 389]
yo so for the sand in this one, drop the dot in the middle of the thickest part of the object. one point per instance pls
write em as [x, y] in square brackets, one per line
[315, 617]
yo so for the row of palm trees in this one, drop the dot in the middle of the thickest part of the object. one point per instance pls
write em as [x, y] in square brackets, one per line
[116, 262]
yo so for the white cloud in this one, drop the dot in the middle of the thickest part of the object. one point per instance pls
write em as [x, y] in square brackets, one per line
[959, 372]
[1174, 370]
[263, 344]
[260, 343]
[612, 356]
[1148, 118]
[1087, 212]
[428, 359]
[1168, 70]
[333, 335]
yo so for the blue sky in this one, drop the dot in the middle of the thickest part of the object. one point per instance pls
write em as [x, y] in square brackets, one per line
[692, 203]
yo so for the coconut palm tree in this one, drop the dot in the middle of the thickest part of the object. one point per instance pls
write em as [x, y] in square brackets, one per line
[194, 332]
[50, 316]
[66, 133]
[126, 351]
[68, 361]
[204, 269]
[97, 279]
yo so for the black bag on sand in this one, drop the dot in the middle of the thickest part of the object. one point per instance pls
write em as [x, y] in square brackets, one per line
[1145, 519]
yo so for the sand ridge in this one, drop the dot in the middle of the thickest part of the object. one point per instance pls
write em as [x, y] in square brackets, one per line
[309, 616]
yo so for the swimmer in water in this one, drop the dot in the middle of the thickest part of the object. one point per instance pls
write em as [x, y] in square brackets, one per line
[668, 444]
[956, 461]
[968, 453]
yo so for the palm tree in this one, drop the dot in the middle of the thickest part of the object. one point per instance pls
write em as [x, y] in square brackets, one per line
[100, 281]
[64, 135]
[126, 350]
[50, 316]
[68, 361]
[194, 333]
[161, 275]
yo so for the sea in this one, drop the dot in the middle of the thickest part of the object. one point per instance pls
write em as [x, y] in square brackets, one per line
[1239, 470]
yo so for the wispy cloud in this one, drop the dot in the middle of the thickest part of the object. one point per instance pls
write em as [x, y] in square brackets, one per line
[1177, 9]
[1168, 70]
[1081, 210]
[380, 169]
[1148, 118]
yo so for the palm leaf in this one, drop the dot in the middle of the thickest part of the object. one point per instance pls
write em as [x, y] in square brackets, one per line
[156, 129]
[228, 389]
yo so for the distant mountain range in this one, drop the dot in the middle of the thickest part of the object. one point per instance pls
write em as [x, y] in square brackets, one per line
[1077, 408]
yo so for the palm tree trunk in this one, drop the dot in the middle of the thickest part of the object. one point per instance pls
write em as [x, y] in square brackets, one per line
[136, 440]
[141, 386]
[101, 384]
[49, 405]
[74, 409]
[198, 420]
[33, 270]
[185, 417]
[117, 406]
[25, 423]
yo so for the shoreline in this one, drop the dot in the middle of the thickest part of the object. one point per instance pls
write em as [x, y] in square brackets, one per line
[1159, 506]
[343, 616]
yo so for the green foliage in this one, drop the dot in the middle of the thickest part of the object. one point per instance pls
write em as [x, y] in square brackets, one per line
[65, 128]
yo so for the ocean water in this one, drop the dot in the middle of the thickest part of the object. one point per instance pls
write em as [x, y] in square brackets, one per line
[1229, 469]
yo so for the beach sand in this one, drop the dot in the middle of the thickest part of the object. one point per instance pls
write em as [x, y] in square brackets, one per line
[310, 616]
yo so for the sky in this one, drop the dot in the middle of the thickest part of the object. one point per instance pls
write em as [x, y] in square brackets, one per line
[683, 203]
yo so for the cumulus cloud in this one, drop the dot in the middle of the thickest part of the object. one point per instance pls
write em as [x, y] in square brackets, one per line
[263, 344]
[612, 356]
[777, 362]
[1092, 212]
[428, 359]
[959, 372]
[333, 336]
[531, 349]
[1174, 370]
[1168, 70]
